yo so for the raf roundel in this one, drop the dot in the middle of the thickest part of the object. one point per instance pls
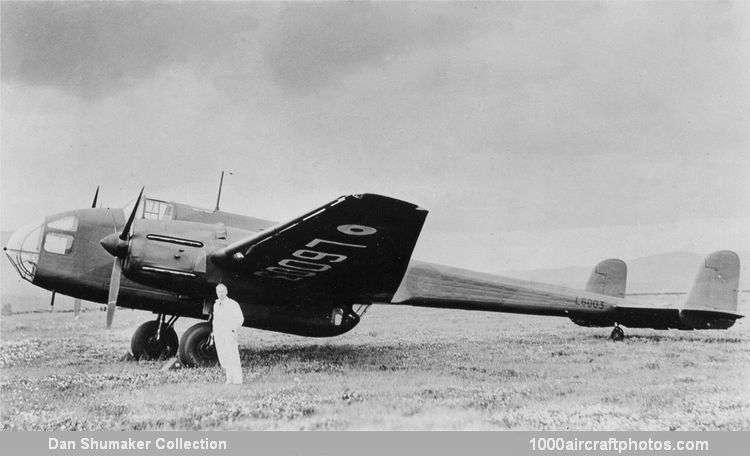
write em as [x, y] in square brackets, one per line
[357, 230]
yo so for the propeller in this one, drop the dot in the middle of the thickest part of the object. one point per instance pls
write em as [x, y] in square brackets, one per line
[117, 246]
[96, 196]
[114, 290]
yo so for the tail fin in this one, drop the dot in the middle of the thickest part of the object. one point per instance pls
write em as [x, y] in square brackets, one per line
[712, 302]
[717, 283]
[608, 278]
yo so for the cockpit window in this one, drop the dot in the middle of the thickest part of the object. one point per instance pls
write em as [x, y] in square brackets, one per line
[156, 209]
[67, 223]
[59, 243]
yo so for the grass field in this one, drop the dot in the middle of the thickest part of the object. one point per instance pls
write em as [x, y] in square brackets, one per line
[402, 368]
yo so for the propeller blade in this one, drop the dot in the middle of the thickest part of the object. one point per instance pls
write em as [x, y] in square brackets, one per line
[126, 230]
[76, 307]
[52, 301]
[96, 196]
[114, 290]
[118, 247]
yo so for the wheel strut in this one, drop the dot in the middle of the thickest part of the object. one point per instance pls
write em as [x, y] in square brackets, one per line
[155, 339]
[165, 324]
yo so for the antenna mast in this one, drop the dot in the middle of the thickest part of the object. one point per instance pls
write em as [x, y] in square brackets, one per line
[218, 197]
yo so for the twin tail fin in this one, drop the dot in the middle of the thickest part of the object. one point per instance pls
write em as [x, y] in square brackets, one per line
[608, 278]
[712, 301]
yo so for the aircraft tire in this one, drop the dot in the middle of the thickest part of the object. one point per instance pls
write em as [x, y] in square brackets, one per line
[617, 334]
[196, 348]
[144, 345]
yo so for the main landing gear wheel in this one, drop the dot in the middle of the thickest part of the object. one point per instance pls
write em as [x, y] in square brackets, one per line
[197, 347]
[154, 339]
[617, 334]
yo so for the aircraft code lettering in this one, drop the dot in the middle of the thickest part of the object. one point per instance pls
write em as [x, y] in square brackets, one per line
[590, 303]
[308, 263]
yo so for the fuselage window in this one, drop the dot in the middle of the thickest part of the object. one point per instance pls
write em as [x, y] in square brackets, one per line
[59, 243]
[68, 223]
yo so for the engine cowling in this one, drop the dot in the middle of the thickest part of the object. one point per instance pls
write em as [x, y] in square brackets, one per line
[171, 255]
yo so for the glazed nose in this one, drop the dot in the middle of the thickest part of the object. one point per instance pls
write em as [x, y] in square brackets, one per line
[23, 249]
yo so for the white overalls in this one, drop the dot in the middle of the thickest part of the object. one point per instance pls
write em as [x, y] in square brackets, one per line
[227, 321]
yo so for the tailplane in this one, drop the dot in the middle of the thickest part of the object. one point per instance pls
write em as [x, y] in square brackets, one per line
[712, 302]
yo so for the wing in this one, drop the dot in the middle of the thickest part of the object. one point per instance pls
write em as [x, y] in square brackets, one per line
[353, 249]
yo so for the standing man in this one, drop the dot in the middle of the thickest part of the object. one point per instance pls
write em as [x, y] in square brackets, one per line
[227, 321]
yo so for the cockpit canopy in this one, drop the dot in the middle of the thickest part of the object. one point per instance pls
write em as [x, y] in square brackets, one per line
[151, 209]
[154, 209]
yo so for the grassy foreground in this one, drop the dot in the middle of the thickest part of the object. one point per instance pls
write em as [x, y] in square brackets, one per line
[402, 368]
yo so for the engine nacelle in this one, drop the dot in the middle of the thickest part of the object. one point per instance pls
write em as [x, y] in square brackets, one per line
[172, 255]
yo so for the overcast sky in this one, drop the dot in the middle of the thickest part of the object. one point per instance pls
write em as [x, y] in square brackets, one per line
[536, 134]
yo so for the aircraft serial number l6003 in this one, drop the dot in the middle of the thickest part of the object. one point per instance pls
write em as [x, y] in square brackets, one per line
[315, 275]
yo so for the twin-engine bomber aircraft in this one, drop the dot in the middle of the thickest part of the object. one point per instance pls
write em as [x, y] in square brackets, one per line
[315, 275]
